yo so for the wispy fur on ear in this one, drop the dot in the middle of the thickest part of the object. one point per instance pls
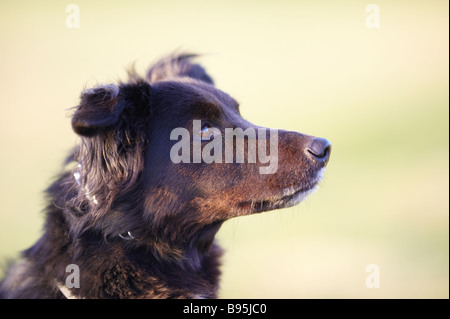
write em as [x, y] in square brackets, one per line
[98, 109]
[177, 66]
[113, 124]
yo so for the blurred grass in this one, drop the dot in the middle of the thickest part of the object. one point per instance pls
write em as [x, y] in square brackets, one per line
[380, 96]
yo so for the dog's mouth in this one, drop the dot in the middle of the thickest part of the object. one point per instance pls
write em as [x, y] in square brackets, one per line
[290, 197]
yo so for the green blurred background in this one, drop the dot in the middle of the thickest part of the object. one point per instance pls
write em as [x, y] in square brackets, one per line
[379, 95]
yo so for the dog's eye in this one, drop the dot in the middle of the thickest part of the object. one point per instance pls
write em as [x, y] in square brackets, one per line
[206, 133]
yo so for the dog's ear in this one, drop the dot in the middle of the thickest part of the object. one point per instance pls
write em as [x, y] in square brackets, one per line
[178, 65]
[101, 107]
[98, 109]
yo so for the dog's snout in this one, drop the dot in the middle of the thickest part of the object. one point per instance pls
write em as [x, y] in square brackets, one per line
[320, 150]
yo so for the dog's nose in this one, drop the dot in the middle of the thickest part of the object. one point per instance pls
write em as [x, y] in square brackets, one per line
[320, 150]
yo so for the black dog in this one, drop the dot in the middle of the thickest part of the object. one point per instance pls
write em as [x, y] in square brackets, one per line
[135, 217]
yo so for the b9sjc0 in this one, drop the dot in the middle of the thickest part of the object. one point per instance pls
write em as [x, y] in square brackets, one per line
[247, 308]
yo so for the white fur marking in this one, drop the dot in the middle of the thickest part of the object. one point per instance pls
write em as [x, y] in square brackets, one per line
[66, 292]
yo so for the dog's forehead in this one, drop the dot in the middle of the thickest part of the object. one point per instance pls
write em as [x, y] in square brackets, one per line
[191, 92]
[213, 95]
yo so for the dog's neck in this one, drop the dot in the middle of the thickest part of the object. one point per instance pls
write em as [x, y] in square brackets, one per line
[187, 250]
[138, 264]
[190, 268]
[119, 270]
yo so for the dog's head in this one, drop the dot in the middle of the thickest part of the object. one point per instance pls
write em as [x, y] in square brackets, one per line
[170, 155]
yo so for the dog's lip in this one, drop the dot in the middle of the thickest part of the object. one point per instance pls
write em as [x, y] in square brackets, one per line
[290, 197]
[297, 197]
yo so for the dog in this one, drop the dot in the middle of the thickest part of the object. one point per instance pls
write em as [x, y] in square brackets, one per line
[136, 209]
